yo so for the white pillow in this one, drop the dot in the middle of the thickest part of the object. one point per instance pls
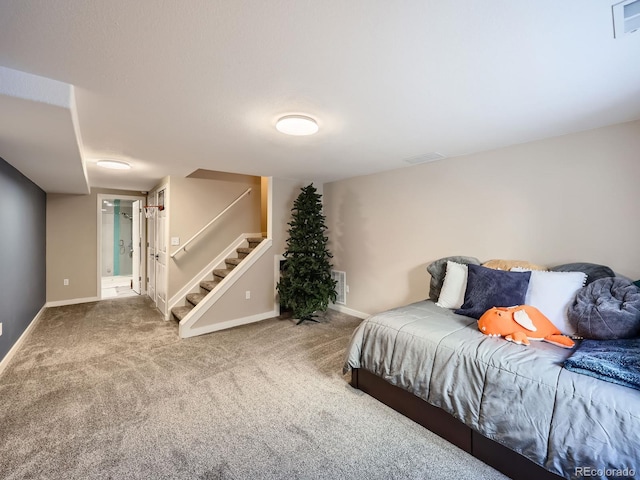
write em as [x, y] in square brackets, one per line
[454, 286]
[552, 293]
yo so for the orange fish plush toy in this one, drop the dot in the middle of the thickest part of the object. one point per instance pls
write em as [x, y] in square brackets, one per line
[521, 324]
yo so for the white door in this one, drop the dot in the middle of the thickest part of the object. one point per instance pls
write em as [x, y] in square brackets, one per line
[136, 243]
[161, 254]
[151, 251]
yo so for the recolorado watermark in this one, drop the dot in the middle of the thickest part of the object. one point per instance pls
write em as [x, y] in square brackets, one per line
[605, 472]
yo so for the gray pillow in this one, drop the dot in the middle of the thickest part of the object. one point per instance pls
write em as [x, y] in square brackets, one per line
[607, 309]
[438, 270]
[593, 270]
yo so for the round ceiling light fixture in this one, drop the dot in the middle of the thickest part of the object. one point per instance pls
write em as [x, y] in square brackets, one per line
[114, 164]
[297, 125]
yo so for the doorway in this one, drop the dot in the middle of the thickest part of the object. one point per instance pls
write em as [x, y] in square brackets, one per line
[119, 244]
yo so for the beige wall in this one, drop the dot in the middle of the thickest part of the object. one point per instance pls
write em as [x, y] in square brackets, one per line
[566, 199]
[196, 201]
[260, 279]
[72, 244]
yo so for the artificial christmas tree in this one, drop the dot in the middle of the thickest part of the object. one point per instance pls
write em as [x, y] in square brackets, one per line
[306, 285]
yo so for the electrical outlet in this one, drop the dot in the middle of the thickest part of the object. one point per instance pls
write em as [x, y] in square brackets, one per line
[347, 288]
[66, 282]
[175, 241]
[247, 294]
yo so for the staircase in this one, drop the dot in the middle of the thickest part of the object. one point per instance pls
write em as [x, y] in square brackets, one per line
[219, 274]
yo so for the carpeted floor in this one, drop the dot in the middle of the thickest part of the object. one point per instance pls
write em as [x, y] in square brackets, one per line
[108, 390]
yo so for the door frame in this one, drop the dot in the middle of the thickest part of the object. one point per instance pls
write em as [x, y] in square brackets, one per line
[143, 264]
[139, 228]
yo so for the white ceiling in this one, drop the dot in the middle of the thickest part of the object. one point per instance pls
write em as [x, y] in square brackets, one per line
[39, 131]
[177, 86]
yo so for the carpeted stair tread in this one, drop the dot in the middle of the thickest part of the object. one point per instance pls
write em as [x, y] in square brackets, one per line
[243, 252]
[180, 312]
[221, 272]
[254, 241]
[209, 284]
[195, 298]
[232, 262]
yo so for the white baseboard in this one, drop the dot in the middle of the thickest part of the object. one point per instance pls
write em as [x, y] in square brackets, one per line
[7, 358]
[71, 301]
[348, 311]
[192, 332]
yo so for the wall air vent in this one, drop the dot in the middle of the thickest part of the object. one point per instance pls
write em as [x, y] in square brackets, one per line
[626, 18]
[341, 286]
[427, 157]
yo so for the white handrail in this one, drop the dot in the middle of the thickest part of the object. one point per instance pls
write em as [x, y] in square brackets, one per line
[184, 247]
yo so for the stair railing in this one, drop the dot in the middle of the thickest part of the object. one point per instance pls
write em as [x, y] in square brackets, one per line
[186, 244]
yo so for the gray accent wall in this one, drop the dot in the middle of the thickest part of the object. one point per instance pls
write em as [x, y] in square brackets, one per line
[22, 254]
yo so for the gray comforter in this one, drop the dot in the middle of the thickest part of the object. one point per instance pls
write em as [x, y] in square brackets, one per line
[518, 396]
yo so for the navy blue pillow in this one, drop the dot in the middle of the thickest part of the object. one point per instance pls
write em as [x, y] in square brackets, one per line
[488, 288]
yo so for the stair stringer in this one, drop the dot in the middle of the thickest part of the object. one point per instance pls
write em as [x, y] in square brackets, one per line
[193, 286]
[189, 320]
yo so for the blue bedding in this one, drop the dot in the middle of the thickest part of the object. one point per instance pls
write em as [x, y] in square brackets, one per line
[615, 361]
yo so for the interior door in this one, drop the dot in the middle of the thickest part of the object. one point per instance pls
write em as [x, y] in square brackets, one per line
[136, 245]
[161, 253]
[151, 251]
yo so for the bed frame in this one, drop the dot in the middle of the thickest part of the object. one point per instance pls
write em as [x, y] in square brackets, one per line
[441, 423]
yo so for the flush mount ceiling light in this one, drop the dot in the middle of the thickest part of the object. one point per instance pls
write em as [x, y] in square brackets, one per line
[114, 164]
[297, 125]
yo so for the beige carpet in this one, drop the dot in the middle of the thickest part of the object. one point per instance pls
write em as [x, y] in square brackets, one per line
[108, 390]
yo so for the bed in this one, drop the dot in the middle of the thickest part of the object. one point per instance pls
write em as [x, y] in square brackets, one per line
[514, 407]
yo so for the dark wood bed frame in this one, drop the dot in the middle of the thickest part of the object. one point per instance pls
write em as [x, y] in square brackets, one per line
[441, 423]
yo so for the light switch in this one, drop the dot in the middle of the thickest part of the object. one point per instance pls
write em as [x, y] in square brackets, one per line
[175, 241]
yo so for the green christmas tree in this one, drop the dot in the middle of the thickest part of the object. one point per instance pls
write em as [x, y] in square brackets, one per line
[306, 285]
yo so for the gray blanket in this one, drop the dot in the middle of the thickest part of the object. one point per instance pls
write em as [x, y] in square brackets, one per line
[518, 396]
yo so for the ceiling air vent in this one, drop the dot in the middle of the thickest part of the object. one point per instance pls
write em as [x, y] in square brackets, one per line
[626, 18]
[427, 157]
